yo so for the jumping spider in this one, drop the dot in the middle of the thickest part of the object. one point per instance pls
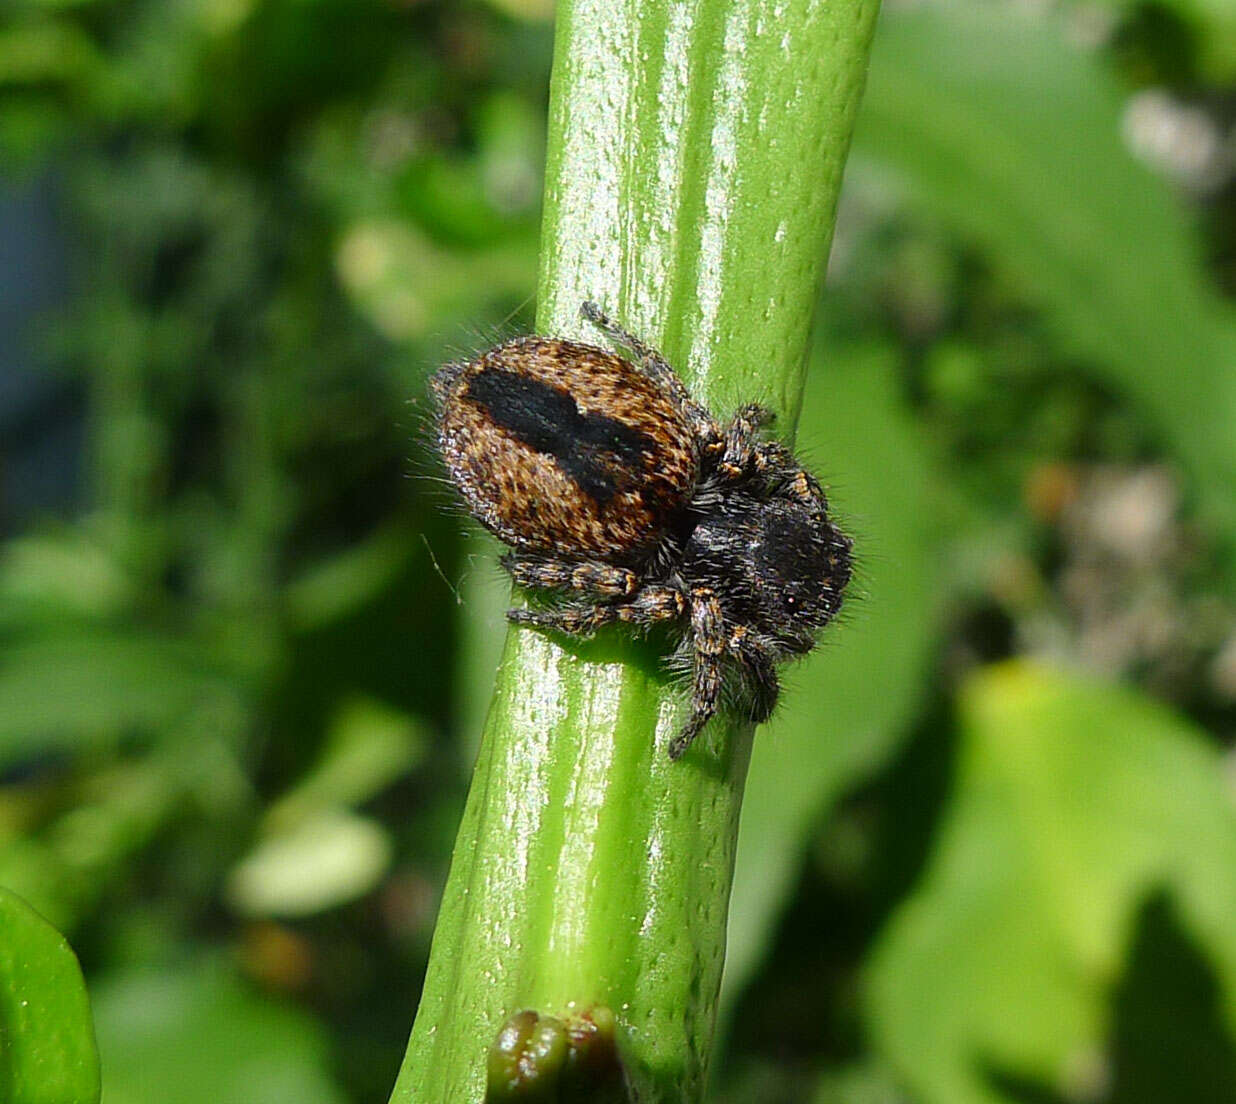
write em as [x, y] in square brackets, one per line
[619, 491]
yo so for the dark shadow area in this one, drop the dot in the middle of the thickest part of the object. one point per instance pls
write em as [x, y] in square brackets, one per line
[40, 413]
[1169, 1040]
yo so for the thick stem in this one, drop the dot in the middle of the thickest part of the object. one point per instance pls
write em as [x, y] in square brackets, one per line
[695, 156]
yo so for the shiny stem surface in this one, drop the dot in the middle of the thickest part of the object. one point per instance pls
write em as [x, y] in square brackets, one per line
[694, 161]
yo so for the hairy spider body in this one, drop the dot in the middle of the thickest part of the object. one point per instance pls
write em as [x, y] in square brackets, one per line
[566, 449]
[617, 490]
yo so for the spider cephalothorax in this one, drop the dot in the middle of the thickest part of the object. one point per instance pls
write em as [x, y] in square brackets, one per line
[619, 491]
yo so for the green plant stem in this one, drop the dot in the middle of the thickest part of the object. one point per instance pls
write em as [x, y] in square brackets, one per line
[695, 156]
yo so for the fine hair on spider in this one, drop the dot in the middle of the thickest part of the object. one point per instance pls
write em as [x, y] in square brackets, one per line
[425, 466]
[626, 500]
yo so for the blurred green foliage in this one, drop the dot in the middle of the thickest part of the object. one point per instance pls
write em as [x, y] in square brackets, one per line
[1078, 809]
[243, 659]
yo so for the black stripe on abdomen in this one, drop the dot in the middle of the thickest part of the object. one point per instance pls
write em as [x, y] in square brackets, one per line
[601, 454]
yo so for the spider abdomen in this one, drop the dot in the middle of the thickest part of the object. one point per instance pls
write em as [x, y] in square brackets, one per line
[560, 447]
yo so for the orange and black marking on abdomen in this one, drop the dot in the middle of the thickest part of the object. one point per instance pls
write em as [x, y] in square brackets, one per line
[601, 454]
[564, 447]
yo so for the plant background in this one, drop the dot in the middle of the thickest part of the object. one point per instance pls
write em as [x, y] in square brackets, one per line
[246, 643]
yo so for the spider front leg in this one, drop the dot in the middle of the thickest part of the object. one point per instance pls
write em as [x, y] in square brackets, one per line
[708, 636]
[658, 368]
[746, 453]
[646, 607]
[742, 438]
[802, 487]
[763, 687]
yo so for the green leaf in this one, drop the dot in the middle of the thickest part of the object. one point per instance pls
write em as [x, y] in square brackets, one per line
[47, 1052]
[42, 50]
[846, 706]
[694, 157]
[1075, 804]
[405, 284]
[368, 746]
[196, 1035]
[329, 591]
[327, 858]
[1213, 23]
[73, 859]
[55, 576]
[86, 689]
[991, 119]
[857, 1084]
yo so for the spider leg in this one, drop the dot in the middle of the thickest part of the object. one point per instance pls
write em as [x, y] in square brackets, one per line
[650, 360]
[708, 631]
[570, 620]
[599, 579]
[742, 440]
[658, 369]
[647, 606]
[763, 687]
[746, 454]
[804, 488]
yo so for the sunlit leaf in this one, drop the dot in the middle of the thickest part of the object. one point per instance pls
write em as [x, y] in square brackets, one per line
[1076, 803]
[405, 284]
[322, 861]
[368, 746]
[43, 576]
[47, 1052]
[40, 50]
